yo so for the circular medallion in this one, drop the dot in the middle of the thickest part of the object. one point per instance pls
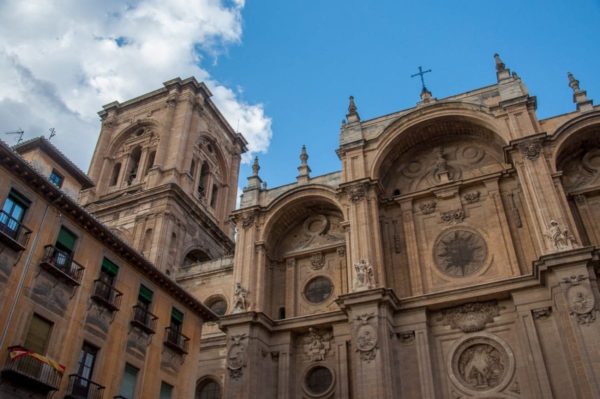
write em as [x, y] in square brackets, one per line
[318, 289]
[366, 338]
[318, 381]
[581, 300]
[459, 252]
[481, 364]
[236, 357]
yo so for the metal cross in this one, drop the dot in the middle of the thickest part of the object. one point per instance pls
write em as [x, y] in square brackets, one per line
[420, 74]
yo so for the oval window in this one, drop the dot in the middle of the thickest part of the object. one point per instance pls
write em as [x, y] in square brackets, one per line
[318, 380]
[318, 289]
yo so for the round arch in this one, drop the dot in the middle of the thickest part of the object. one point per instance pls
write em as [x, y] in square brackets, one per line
[571, 133]
[214, 148]
[122, 136]
[419, 126]
[208, 387]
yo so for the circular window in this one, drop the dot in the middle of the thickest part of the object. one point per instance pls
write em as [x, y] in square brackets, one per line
[318, 380]
[318, 289]
[218, 306]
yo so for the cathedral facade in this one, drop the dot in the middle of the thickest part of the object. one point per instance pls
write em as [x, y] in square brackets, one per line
[454, 255]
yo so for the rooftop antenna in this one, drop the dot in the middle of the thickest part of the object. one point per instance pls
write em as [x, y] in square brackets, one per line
[20, 132]
[52, 133]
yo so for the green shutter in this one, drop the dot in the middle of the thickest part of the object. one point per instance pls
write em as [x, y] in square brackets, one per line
[177, 315]
[145, 293]
[110, 267]
[66, 238]
[38, 334]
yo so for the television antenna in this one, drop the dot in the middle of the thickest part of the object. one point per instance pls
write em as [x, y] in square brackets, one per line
[20, 132]
[52, 133]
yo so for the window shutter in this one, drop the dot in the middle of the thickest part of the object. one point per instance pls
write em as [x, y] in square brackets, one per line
[110, 267]
[166, 390]
[66, 238]
[129, 381]
[38, 335]
[145, 294]
[177, 315]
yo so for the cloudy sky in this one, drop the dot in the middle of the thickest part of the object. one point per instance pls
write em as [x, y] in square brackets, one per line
[280, 70]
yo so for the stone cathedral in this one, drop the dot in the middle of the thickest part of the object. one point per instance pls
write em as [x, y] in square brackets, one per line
[454, 255]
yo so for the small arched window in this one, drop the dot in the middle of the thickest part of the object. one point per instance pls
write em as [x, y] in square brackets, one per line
[208, 389]
[150, 162]
[204, 173]
[134, 163]
[213, 196]
[115, 174]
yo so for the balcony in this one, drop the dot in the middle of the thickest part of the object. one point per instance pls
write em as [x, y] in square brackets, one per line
[144, 320]
[106, 295]
[61, 264]
[12, 232]
[176, 340]
[31, 371]
[82, 388]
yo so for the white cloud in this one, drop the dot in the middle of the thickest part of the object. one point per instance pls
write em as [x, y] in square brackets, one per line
[60, 61]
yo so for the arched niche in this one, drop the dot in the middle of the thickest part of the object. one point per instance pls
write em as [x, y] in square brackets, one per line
[578, 163]
[195, 256]
[438, 151]
[306, 262]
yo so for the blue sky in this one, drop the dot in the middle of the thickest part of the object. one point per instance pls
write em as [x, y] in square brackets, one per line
[302, 59]
[281, 71]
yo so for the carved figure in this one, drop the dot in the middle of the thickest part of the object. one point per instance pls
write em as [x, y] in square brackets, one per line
[239, 298]
[364, 277]
[317, 345]
[561, 239]
[481, 366]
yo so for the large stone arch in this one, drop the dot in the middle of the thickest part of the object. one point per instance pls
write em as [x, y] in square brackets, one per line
[119, 138]
[570, 134]
[408, 130]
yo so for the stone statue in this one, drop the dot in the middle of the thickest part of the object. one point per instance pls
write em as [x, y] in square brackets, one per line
[560, 238]
[317, 345]
[239, 298]
[364, 277]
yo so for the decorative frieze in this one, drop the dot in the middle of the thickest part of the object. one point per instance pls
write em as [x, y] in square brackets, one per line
[472, 197]
[471, 317]
[428, 207]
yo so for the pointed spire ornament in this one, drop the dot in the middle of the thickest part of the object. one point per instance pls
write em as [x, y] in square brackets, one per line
[303, 169]
[254, 181]
[579, 96]
[352, 115]
[502, 72]
[255, 167]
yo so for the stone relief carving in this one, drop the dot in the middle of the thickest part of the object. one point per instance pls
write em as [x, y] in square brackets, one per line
[317, 344]
[366, 337]
[239, 299]
[315, 231]
[247, 221]
[582, 169]
[580, 199]
[471, 317]
[541, 313]
[424, 167]
[453, 217]
[317, 261]
[482, 364]
[356, 193]
[472, 197]
[581, 300]
[428, 207]
[531, 149]
[561, 239]
[364, 278]
[236, 356]
[459, 252]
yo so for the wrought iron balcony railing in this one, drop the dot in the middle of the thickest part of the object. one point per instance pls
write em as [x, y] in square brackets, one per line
[176, 340]
[82, 388]
[13, 232]
[107, 295]
[62, 265]
[29, 371]
[143, 319]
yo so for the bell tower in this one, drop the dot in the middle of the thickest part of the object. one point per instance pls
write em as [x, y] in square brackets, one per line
[166, 170]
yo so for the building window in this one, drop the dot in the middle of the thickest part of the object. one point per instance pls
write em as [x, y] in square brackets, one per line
[129, 381]
[82, 384]
[134, 163]
[208, 389]
[318, 380]
[166, 390]
[56, 178]
[176, 321]
[115, 174]
[150, 162]
[318, 289]
[213, 196]
[63, 249]
[218, 305]
[204, 173]
[104, 291]
[38, 334]
[174, 338]
[12, 214]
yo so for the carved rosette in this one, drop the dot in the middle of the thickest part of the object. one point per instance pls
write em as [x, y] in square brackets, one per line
[366, 337]
[236, 356]
[459, 252]
[481, 365]
[471, 317]
[581, 300]
[531, 149]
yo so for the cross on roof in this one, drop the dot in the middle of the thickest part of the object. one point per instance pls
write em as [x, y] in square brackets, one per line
[420, 74]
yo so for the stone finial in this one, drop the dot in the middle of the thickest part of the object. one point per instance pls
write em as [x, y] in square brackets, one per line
[303, 169]
[426, 95]
[502, 72]
[579, 96]
[255, 167]
[352, 115]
